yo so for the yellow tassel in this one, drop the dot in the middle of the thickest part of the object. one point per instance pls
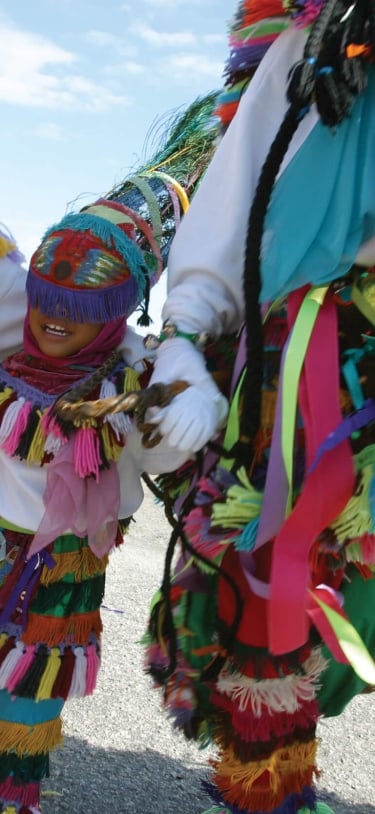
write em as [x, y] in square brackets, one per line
[112, 450]
[6, 246]
[131, 380]
[3, 639]
[10, 810]
[36, 451]
[83, 564]
[36, 739]
[6, 393]
[355, 519]
[49, 676]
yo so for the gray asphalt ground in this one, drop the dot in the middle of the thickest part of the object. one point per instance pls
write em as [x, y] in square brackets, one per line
[121, 754]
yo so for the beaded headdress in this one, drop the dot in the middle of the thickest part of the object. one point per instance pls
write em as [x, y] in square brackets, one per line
[95, 265]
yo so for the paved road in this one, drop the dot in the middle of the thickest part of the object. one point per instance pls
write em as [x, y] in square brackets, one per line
[121, 755]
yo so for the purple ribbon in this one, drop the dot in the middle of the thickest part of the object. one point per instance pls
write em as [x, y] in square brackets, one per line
[25, 584]
[352, 423]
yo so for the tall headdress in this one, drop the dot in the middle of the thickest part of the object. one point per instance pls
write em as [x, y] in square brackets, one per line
[255, 26]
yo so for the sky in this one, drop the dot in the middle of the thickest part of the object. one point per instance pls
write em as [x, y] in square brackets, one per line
[84, 85]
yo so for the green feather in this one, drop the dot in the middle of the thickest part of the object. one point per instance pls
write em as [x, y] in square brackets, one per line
[181, 145]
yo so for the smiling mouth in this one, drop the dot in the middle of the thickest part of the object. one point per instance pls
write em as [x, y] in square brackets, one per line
[55, 330]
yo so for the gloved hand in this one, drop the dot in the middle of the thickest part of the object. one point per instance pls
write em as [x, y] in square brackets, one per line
[196, 415]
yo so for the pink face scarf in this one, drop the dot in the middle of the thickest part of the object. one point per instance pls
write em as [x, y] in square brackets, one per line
[53, 376]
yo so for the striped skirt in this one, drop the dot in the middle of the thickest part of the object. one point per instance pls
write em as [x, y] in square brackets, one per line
[50, 628]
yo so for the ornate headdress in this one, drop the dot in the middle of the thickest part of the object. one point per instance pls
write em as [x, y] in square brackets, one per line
[91, 265]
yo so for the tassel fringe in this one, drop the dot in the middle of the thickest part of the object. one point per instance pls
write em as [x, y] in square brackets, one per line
[263, 785]
[36, 673]
[276, 695]
[77, 627]
[27, 795]
[83, 564]
[26, 740]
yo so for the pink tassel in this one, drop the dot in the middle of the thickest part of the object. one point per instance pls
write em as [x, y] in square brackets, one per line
[87, 458]
[11, 443]
[48, 424]
[28, 794]
[10, 663]
[78, 685]
[93, 664]
[21, 667]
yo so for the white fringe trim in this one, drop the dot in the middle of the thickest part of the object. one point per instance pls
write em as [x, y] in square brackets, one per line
[10, 418]
[120, 422]
[277, 694]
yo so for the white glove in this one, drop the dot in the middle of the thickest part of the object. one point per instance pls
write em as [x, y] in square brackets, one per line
[198, 413]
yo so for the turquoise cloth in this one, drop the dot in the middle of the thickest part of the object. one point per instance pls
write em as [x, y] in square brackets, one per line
[27, 711]
[323, 205]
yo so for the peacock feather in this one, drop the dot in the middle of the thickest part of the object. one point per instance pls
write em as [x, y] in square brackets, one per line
[180, 146]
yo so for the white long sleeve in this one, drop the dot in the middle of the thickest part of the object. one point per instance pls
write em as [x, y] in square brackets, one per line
[12, 305]
[205, 264]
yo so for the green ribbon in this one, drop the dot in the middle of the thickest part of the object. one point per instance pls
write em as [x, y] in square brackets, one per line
[232, 430]
[294, 360]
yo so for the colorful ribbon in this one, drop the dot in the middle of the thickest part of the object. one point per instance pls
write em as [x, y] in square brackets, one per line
[326, 489]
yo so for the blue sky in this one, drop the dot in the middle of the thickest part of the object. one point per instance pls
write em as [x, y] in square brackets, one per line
[82, 83]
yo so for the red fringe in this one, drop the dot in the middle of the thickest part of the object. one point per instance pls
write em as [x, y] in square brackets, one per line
[255, 10]
[226, 112]
[28, 795]
[251, 728]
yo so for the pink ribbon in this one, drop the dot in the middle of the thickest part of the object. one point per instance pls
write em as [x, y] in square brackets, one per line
[326, 489]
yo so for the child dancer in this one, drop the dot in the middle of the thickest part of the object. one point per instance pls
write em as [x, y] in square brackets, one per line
[66, 489]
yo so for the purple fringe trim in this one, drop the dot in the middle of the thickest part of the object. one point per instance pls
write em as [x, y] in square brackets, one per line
[97, 305]
[29, 392]
[291, 805]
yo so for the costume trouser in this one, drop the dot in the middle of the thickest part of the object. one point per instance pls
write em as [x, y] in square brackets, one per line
[260, 712]
[49, 651]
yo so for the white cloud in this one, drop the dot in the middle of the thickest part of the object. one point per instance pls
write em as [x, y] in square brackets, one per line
[127, 66]
[193, 66]
[116, 44]
[48, 130]
[162, 39]
[34, 72]
[169, 4]
[214, 39]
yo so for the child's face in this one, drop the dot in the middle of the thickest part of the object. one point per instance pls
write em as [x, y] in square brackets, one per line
[59, 337]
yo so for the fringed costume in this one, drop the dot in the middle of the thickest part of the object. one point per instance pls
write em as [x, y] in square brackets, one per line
[265, 619]
[68, 487]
